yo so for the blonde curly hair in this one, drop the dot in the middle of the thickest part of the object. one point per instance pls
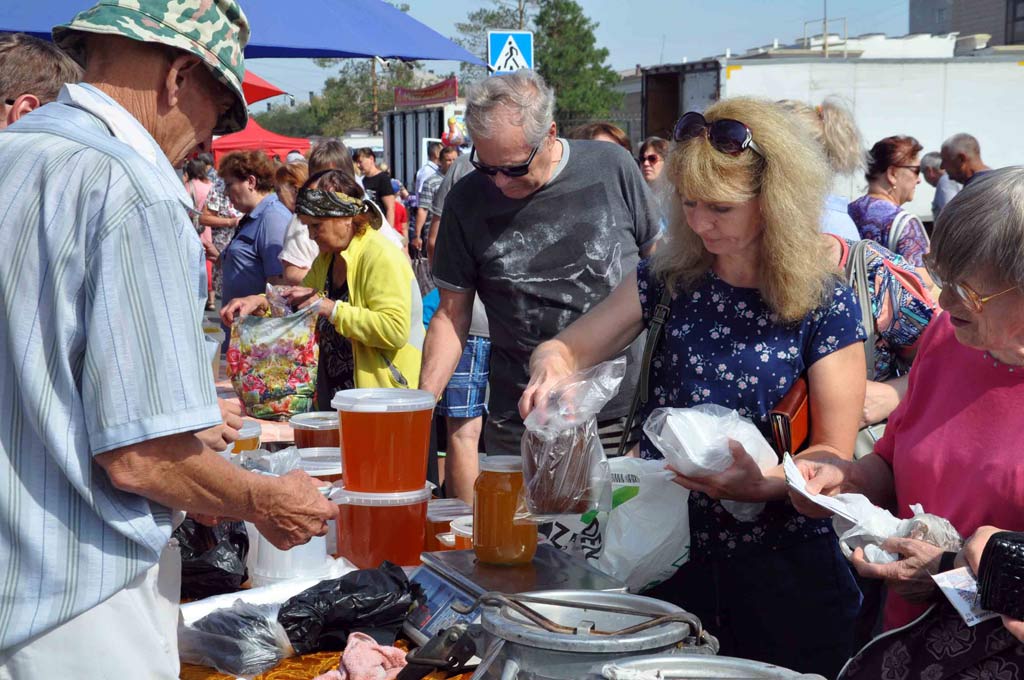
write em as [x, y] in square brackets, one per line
[791, 181]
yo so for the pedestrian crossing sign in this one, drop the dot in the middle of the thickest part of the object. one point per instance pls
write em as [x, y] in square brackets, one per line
[509, 51]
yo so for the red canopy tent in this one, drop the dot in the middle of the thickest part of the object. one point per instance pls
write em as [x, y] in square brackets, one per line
[254, 137]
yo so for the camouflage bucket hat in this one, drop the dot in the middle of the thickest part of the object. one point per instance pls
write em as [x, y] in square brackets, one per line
[216, 31]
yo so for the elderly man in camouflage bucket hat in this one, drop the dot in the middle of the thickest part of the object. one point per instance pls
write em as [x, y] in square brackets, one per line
[110, 425]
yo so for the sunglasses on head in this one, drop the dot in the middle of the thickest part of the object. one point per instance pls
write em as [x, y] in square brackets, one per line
[507, 170]
[725, 135]
[649, 158]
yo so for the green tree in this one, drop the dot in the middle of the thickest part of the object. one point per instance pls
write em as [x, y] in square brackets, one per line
[298, 121]
[571, 62]
[502, 15]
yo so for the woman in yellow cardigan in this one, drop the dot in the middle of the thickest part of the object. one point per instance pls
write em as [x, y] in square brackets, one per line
[362, 286]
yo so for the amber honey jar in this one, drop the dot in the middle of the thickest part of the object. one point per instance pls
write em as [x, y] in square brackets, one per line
[497, 539]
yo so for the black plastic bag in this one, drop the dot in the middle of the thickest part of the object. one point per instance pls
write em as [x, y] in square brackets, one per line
[371, 601]
[243, 639]
[212, 558]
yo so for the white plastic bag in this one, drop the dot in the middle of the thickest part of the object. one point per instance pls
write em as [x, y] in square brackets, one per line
[647, 532]
[565, 471]
[695, 441]
[878, 524]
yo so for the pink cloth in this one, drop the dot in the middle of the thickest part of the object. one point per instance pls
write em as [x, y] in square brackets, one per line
[955, 442]
[365, 659]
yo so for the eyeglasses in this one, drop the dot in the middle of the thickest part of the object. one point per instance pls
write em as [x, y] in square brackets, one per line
[967, 295]
[507, 170]
[972, 299]
[653, 159]
[726, 135]
[916, 169]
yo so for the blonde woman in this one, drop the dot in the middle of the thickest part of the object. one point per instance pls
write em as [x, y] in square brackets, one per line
[834, 129]
[755, 303]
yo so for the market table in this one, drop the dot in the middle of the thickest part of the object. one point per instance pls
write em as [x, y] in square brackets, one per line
[296, 668]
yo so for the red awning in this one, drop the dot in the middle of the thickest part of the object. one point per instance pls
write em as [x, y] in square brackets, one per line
[256, 89]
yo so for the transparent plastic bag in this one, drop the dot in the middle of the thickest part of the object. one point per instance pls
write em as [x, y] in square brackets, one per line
[243, 640]
[695, 441]
[278, 305]
[565, 471]
[278, 463]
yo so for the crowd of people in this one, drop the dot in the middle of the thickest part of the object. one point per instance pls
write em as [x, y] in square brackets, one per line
[547, 255]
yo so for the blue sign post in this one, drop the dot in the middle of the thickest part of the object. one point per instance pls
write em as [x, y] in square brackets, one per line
[509, 51]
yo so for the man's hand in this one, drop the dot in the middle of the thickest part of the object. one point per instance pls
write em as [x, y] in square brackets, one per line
[292, 509]
[219, 437]
[417, 243]
[909, 577]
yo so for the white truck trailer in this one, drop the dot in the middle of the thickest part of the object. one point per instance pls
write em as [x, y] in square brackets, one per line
[929, 99]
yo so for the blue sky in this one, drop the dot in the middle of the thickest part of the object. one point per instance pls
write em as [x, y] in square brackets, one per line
[647, 32]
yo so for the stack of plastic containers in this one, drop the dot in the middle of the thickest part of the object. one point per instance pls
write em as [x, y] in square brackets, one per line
[385, 438]
[440, 513]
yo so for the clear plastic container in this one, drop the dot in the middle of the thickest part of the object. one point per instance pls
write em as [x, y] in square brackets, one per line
[373, 527]
[440, 513]
[316, 430]
[323, 463]
[497, 539]
[249, 437]
[462, 530]
[270, 565]
[385, 437]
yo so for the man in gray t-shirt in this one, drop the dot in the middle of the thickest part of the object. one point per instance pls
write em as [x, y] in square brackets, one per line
[543, 230]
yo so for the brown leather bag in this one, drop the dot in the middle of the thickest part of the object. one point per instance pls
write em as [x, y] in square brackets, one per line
[791, 419]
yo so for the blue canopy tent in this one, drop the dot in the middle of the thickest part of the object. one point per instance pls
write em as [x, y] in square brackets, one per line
[302, 28]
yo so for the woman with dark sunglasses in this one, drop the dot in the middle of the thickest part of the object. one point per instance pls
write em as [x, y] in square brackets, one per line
[893, 173]
[954, 443]
[754, 303]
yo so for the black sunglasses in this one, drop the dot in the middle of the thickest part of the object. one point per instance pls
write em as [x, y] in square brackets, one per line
[916, 169]
[650, 158]
[507, 170]
[726, 135]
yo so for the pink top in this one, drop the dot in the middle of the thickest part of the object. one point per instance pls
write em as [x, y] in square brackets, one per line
[200, 191]
[955, 442]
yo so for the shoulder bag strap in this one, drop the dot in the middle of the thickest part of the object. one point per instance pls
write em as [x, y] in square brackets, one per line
[658, 319]
[857, 277]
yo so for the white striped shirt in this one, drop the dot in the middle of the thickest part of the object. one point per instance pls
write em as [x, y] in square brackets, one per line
[101, 285]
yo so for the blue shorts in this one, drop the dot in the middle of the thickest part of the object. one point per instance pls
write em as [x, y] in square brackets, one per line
[466, 394]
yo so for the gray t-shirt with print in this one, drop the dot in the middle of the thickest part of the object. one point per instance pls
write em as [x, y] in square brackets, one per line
[539, 263]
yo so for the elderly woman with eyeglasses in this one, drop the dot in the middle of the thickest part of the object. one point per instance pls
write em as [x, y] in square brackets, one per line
[954, 443]
[751, 309]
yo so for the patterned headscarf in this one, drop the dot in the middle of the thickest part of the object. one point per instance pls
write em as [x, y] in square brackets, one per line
[318, 203]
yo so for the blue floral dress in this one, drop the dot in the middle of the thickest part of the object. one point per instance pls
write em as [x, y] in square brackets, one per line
[723, 345]
[758, 586]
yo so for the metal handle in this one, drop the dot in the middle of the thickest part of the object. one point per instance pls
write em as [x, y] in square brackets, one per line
[510, 671]
[516, 603]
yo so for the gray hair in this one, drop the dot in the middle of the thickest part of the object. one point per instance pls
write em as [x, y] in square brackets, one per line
[963, 143]
[931, 160]
[524, 94]
[981, 231]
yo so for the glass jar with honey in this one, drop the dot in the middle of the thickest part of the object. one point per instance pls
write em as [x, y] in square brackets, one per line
[497, 539]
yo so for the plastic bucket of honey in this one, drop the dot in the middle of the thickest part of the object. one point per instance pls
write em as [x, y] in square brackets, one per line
[440, 513]
[322, 462]
[316, 430]
[373, 527]
[385, 437]
[462, 530]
